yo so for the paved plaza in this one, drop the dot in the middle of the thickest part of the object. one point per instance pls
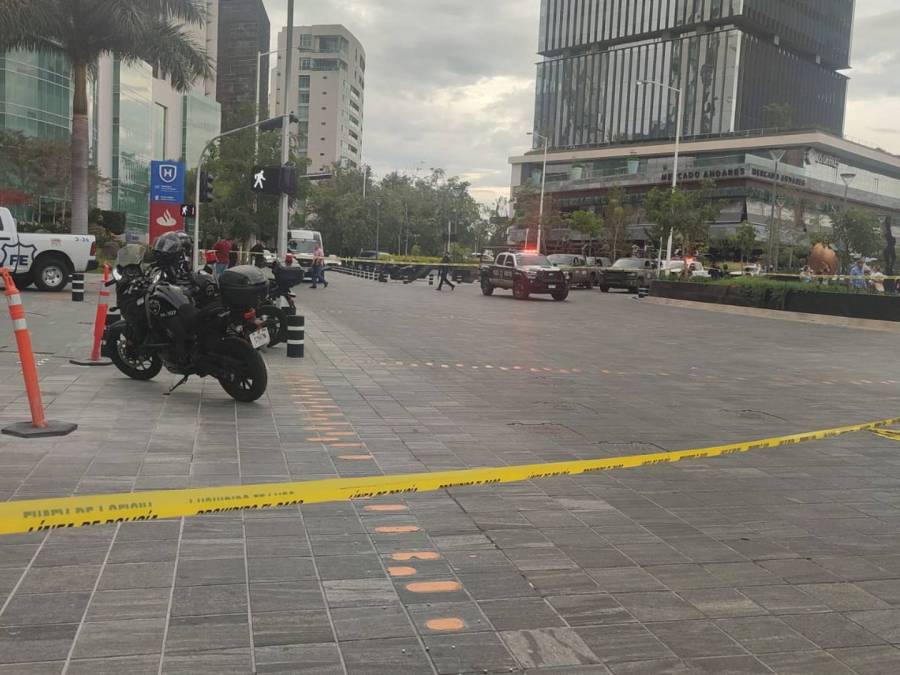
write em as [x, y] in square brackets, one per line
[784, 560]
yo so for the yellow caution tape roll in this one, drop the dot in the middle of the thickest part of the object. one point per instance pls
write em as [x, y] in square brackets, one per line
[64, 512]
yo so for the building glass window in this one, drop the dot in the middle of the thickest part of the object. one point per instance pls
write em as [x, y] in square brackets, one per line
[160, 118]
[304, 82]
[307, 42]
[304, 98]
[329, 44]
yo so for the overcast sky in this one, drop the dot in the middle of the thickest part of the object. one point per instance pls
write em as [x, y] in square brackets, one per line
[450, 83]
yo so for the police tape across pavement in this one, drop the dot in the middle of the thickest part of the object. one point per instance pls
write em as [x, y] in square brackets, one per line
[81, 511]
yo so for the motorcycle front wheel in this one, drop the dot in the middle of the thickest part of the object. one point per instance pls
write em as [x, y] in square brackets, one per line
[244, 375]
[127, 360]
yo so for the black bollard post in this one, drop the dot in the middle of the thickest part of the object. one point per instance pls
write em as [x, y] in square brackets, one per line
[296, 336]
[77, 287]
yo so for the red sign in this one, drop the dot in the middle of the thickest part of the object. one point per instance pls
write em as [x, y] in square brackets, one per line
[164, 217]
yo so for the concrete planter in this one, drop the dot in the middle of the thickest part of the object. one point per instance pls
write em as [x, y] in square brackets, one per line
[852, 305]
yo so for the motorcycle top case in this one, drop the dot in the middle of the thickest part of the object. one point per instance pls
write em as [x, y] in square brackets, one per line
[243, 287]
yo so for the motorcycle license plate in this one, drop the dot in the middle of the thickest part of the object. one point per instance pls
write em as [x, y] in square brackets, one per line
[259, 338]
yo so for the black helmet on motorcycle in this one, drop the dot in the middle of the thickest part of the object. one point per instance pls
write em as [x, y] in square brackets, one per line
[187, 244]
[167, 249]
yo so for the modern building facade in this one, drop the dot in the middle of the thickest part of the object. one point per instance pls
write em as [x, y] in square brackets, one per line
[803, 191]
[740, 65]
[326, 93]
[241, 74]
[135, 117]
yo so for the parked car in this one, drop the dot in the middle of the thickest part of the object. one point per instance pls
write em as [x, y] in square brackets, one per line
[45, 260]
[524, 274]
[576, 270]
[598, 262]
[676, 268]
[749, 271]
[628, 273]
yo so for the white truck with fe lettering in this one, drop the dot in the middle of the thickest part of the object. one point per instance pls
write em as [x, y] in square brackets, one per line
[45, 260]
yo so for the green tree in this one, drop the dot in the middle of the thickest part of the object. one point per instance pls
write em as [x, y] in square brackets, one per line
[616, 220]
[527, 207]
[587, 223]
[686, 213]
[84, 30]
[856, 232]
[745, 238]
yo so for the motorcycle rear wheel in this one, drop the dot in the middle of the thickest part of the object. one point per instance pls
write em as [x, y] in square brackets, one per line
[136, 366]
[245, 376]
[276, 322]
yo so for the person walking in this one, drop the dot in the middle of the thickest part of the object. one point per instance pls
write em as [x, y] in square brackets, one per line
[319, 267]
[223, 256]
[445, 270]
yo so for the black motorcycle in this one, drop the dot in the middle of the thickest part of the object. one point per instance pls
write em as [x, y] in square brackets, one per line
[163, 326]
[280, 288]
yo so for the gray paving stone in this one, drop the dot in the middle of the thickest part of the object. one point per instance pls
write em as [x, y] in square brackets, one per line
[385, 657]
[311, 659]
[657, 606]
[226, 662]
[722, 602]
[765, 634]
[803, 663]
[590, 609]
[137, 575]
[548, 647]
[291, 628]
[365, 623]
[653, 667]
[286, 596]
[209, 600]
[44, 609]
[359, 593]
[24, 644]
[832, 630]
[134, 603]
[737, 665]
[624, 643]
[126, 637]
[60, 579]
[137, 665]
[280, 569]
[521, 613]
[869, 660]
[469, 652]
[204, 633]
[695, 639]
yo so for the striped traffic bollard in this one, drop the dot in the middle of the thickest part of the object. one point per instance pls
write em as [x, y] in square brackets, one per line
[296, 336]
[99, 325]
[39, 426]
[431, 279]
[77, 287]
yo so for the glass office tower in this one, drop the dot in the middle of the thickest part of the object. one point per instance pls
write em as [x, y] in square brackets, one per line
[741, 65]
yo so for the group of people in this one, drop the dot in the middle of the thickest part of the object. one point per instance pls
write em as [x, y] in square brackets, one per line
[223, 255]
[862, 277]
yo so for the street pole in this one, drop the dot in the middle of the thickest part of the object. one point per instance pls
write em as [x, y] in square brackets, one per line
[777, 155]
[377, 228]
[256, 106]
[543, 185]
[203, 152]
[285, 201]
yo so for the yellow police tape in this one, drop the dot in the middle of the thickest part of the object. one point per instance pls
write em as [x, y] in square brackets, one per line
[888, 433]
[64, 512]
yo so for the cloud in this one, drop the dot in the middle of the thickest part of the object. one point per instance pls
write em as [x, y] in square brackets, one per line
[450, 83]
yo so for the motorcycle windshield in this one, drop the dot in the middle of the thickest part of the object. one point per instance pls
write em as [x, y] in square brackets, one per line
[130, 254]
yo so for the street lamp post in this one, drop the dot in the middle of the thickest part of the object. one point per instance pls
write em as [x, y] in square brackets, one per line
[678, 130]
[285, 201]
[256, 106]
[847, 178]
[543, 189]
[776, 155]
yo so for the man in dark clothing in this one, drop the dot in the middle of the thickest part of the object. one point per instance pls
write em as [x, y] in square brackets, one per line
[445, 270]
[256, 254]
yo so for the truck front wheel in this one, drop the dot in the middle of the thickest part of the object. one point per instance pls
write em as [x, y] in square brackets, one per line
[50, 273]
[520, 289]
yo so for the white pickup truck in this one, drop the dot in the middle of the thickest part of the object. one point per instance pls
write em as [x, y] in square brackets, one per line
[45, 260]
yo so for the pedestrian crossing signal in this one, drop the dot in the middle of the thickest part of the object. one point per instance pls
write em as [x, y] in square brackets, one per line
[266, 180]
[188, 211]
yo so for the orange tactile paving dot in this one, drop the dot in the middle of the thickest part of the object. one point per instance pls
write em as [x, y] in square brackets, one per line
[396, 571]
[387, 508]
[356, 458]
[445, 624]
[396, 529]
[433, 586]
[406, 556]
[346, 446]
[323, 439]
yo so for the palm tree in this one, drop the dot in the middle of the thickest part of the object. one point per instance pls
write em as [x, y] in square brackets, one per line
[84, 30]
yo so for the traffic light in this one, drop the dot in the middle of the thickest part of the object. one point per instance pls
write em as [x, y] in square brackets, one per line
[206, 187]
[266, 180]
[288, 180]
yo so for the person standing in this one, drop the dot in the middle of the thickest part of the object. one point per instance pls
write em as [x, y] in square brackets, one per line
[858, 275]
[319, 267]
[223, 256]
[256, 253]
[445, 270]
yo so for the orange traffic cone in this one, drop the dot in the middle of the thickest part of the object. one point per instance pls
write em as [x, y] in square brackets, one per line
[39, 427]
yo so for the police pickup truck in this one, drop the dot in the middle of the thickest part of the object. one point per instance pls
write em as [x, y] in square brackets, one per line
[524, 274]
[576, 269]
[45, 260]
